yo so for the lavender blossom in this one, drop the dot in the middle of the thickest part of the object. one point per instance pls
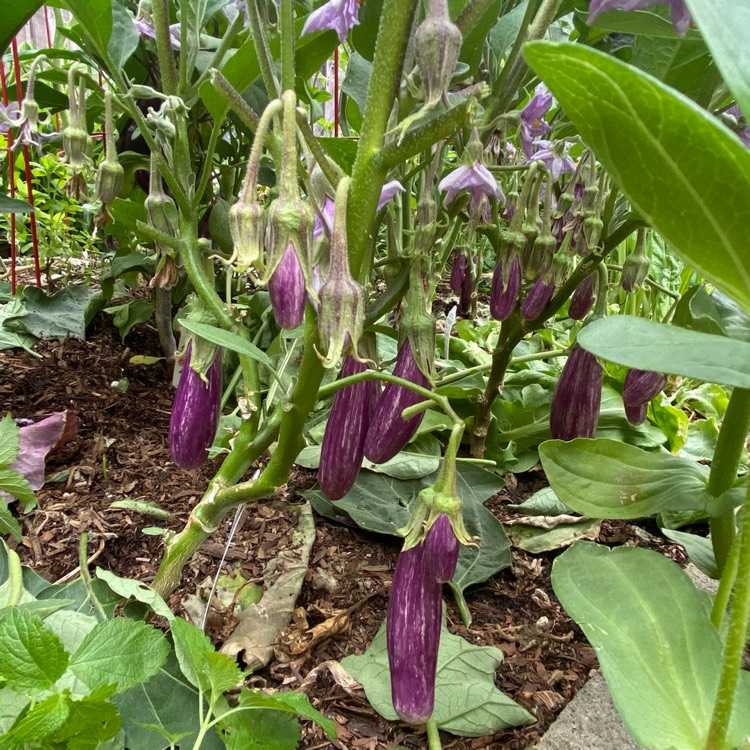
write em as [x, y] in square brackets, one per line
[555, 157]
[338, 15]
[389, 190]
[680, 14]
[146, 30]
[474, 178]
[8, 117]
[532, 124]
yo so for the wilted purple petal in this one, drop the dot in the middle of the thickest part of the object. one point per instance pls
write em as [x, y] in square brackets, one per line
[324, 220]
[338, 15]
[680, 14]
[389, 190]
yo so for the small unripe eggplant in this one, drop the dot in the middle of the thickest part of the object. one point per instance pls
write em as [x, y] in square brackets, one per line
[413, 636]
[344, 438]
[575, 405]
[464, 300]
[505, 293]
[441, 549]
[636, 414]
[538, 298]
[583, 299]
[389, 432]
[641, 386]
[286, 288]
[195, 413]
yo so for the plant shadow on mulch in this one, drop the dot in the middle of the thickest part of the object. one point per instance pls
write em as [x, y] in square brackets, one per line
[121, 452]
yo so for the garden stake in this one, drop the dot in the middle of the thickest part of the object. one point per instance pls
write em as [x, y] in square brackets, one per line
[12, 186]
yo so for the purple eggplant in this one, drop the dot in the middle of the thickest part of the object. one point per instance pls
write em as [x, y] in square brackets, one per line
[575, 405]
[195, 413]
[344, 438]
[504, 296]
[636, 414]
[641, 386]
[583, 299]
[538, 298]
[413, 636]
[458, 271]
[286, 288]
[389, 432]
[464, 301]
[441, 549]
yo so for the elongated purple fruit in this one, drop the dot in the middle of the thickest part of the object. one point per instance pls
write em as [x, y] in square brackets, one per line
[575, 405]
[389, 432]
[464, 301]
[413, 636]
[441, 550]
[344, 438]
[504, 296]
[458, 271]
[195, 414]
[536, 300]
[286, 288]
[582, 299]
[636, 414]
[641, 386]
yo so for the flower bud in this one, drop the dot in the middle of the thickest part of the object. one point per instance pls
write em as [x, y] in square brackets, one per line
[75, 142]
[109, 179]
[246, 225]
[634, 271]
[583, 299]
[341, 317]
[436, 48]
[505, 291]
[575, 403]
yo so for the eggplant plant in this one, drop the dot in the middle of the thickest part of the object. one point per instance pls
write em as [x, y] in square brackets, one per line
[536, 179]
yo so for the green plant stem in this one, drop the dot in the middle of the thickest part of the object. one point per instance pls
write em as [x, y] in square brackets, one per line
[182, 72]
[208, 162]
[83, 566]
[726, 584]
[433, 736]
[368, 173]
[160, 16]
[463, 607]
[729, 447]
[258, 33]
[329, 168]
[218, 56]
[734, 650]
[653, 284]
[230, 95]
[287, 45]
[456, 376]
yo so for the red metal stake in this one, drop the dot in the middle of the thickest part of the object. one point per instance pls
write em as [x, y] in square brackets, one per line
[27, 165]
[336, 92]
[12, 181]
[49, 44]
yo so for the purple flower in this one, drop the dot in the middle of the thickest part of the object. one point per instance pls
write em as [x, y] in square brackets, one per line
[532, 124]
[389, 191]
[324, 220]
[555, 157]
[338, 15]
[680, 14]
[476, 179]
[8, 117]
[739, 124]
[146, 29]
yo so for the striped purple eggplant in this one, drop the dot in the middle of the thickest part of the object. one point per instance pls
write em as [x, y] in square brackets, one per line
[537, 298]
[464, 300]
[641, 386]
[575, 405]
[195, 413]
[504, 295]
[389, 432]
[583, 299]
[441, 549]
[286, 288]
[636, 414]
[344, 438]
[458, 271]
[413, 636]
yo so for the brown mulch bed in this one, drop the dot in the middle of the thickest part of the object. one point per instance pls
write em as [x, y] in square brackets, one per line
[121, 452]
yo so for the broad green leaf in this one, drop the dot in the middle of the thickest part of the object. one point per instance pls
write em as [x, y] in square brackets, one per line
[725, 25]
[10, 440]
[679, 166]
[129, 314]
[543, 502]
[289, 702]
[168, 702]
[228, 340]
[420, 458]
[33, 657]
[342, 150]
[221, 673]
[16, 484]
[382, 504]
[43, 609]
[10, 566]
[92, 719]
[10, 205]
[699, 549]
[606, 479]
[653, 636]
[262, 729]
[43, 719]
[467, 703]
[11, 705]
[127, 588]
[11, 339]
[121, 652]
[647, 345]
[14, 16]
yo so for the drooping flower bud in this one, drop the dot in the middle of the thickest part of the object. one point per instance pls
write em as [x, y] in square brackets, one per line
[344, 438]
[641, 386]
[74, 135]
[537, 298]
[437, 44]
[575, 403]
[505, 291]
[634, 271]
[110, 175]
[583, 299]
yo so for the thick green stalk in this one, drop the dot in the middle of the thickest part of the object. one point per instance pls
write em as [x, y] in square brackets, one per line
[734, 650]
[471, 14]
[218, 56]
[258, 32]
[287, 45]
[160, 16]
[368, 173]
[726, 460]
[433, 736]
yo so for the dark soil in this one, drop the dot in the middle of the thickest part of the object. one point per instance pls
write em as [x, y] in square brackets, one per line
[121, 452]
